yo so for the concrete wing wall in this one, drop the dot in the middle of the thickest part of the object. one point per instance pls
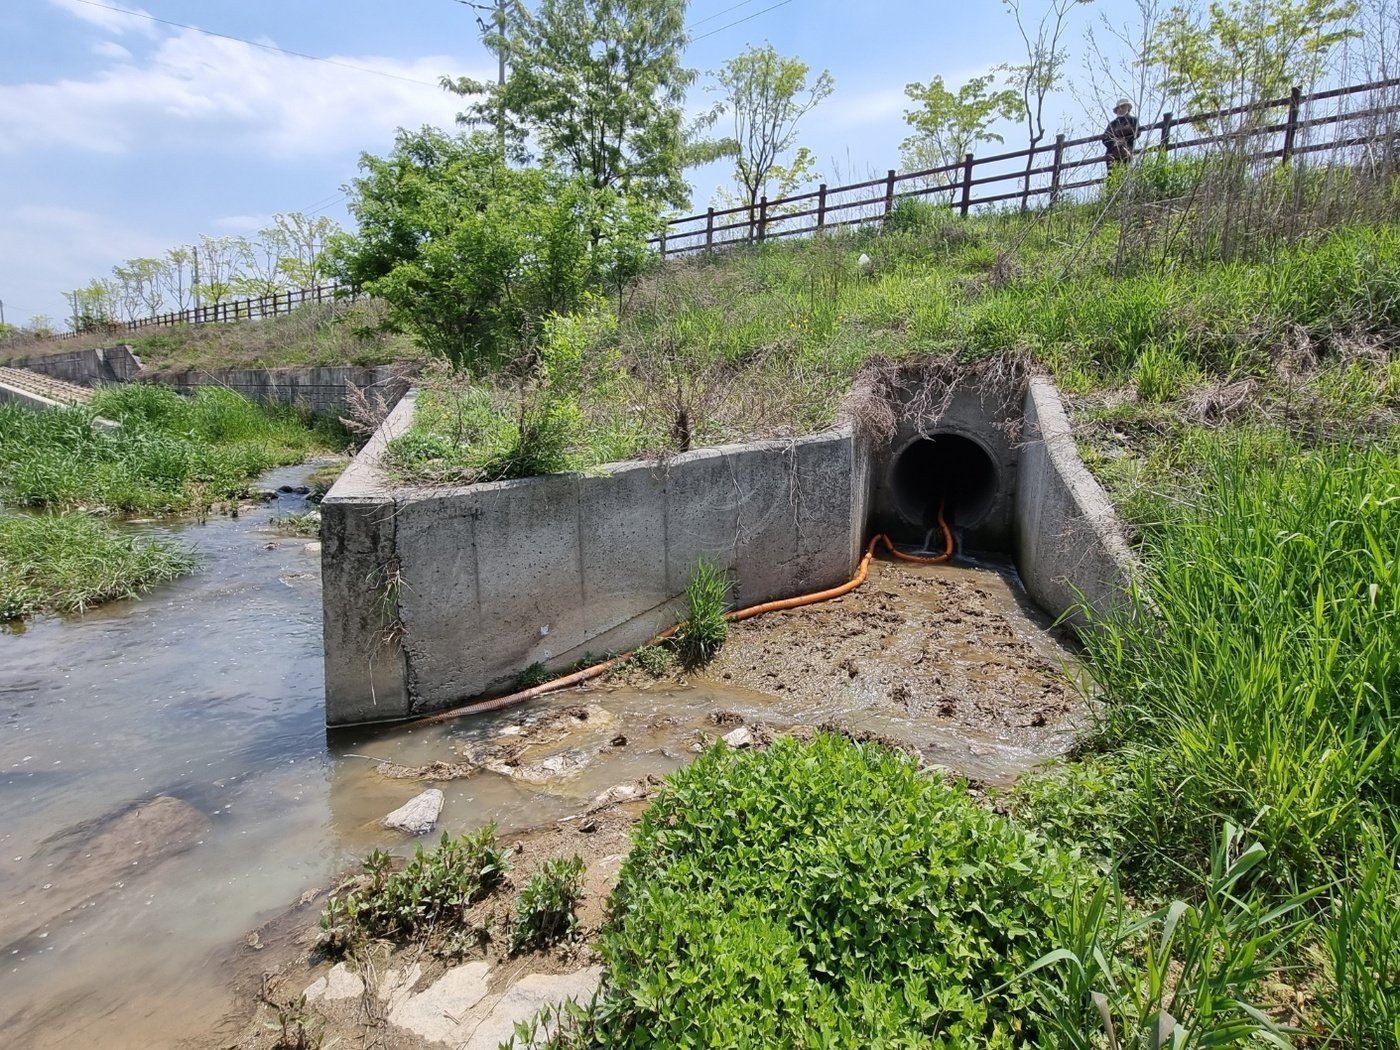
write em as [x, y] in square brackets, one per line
[499, 576]
[1070, 548]
[113, 364]
[316, 389]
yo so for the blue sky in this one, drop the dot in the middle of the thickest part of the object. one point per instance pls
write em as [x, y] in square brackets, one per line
[121, 136]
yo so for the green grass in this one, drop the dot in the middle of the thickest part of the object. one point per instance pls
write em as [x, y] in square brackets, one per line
[315, 334]
[767, 341]
[171, 454]
[1260, 688]
[69, 562]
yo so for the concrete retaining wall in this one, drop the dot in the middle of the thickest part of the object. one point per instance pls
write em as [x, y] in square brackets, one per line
[1070, 546]
[436, 596]
[113, 364]
[316, 389]
[498, 576]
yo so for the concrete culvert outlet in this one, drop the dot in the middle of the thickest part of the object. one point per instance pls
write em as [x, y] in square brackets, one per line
[946, 470]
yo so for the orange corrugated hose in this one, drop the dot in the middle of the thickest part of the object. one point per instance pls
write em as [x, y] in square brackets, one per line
[577, 677]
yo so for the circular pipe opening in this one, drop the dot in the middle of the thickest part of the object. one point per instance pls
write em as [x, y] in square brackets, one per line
[945, 470]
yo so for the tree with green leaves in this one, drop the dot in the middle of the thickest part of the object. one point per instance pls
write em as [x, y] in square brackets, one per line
[599, 85]
[948, 125]
[471, 254]
[1241, 51]
[1043, 71]
[767, 94]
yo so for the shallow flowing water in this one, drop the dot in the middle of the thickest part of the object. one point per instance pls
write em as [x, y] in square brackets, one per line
[117, 911]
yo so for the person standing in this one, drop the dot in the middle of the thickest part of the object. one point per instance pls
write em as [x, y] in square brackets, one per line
[1120, 136]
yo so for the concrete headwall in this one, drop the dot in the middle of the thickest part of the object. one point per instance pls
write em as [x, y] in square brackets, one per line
[112, 364]
[316, 389]
[435, 596]
[492, 578]
[1070, 547]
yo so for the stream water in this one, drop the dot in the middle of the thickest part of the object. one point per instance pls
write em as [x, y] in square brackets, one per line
[117, 912]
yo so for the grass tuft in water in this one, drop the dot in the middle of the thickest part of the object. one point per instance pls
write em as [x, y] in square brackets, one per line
[69, 562]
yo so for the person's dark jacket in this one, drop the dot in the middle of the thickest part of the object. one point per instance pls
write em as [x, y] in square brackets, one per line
[1121, 134]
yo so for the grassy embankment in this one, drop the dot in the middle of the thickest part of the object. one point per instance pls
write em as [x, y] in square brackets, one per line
[172, 455]
[1233, 824]
[314, 334]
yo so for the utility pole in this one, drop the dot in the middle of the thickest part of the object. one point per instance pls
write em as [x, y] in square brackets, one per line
[498, 16]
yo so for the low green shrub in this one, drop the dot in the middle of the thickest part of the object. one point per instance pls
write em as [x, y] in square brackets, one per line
[433, 890]
[826, 894]
[546, 911]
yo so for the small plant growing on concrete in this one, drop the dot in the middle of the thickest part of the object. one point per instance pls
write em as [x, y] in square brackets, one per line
[545, 913]
[702, 633]
[535, 674]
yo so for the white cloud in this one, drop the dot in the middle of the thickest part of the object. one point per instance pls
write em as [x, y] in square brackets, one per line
[64, 248]
[106, 16]
[242, 223]
[111, 49]
[217, 94]
[868, 107]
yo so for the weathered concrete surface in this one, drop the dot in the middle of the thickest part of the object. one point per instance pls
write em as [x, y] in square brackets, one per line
[314, 389]
[1070, 547]
[113, 364]
[498, 576]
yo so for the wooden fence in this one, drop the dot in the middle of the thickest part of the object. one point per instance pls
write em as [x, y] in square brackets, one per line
[1038, 176]
[1058, 170]
[236, 309]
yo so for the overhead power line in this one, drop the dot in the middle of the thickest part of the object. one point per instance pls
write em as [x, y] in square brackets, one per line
[722, 11]
[254, 43]
[738, 21]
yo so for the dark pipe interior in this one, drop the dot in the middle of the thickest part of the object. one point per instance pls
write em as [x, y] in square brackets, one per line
[944, 469]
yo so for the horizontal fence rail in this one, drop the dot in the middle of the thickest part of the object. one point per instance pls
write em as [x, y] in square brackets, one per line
[1058, 170]
[231, 310]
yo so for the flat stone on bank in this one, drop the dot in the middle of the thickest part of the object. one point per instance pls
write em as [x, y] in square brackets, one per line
[739, 738]
[526, 998]
[439, 1013]
[340, 983]
[418, 815]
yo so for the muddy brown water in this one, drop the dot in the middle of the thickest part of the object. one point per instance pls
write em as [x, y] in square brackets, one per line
[166, 783]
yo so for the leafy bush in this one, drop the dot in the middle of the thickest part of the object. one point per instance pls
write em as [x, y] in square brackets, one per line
[472, 254]
[826, 894]
[545, 912]
[701, 634]
[433, 889]
[916, 215]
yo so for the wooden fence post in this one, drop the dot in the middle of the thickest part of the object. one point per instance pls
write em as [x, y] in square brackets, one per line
[889, 192]
[762, 218]
[821, 206]
[966, 203]
[1055, 168]
[1291, 131]
[663, 242]
[1166, 131]
[709, 229]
